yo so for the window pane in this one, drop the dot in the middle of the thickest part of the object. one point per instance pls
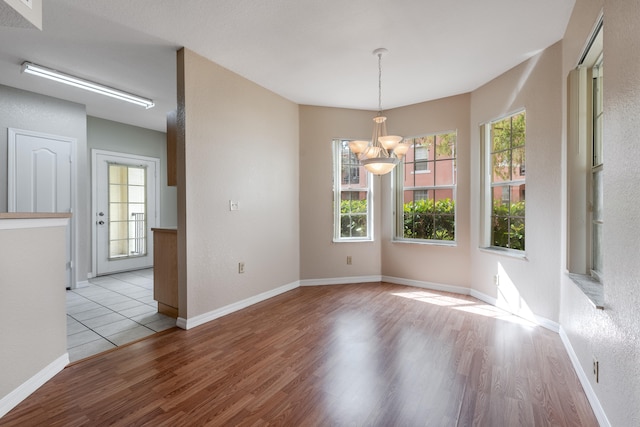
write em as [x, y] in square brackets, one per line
[117, 174]
[518, 129]
[445, 146]
[597, 196]
[444, 172]
[136, 176]
[517, 163]
[596, 253]
[500, 166]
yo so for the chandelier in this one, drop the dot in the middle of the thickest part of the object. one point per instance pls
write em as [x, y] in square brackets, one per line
[380, 155]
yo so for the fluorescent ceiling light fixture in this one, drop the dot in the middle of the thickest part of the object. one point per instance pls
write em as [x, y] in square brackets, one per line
[48, 73]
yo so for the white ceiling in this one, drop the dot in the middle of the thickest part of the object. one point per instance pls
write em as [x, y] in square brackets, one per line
[308, 51]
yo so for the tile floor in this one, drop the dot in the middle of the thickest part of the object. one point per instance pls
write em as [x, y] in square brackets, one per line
[112, 311]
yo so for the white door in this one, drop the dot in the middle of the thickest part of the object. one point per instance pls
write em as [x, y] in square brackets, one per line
[40, 178]
[125, 210]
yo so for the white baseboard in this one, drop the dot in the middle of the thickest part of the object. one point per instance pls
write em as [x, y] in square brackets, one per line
[427, 285]
[223, 311]
[12, 399]
[340, 280]
[584, 380]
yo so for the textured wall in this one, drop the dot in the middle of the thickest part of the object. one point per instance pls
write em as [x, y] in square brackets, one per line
[30, 111]
[613, 335]
[240, 143]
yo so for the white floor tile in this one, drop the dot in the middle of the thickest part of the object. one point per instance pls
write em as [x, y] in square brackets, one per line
[112, 306]
[75, 328]
[130, 303]
[162, 324]
[130, 335]
[105, 319]
[81, 338]
[136, 311]
[116, 327]
[90, 314]
[89, 349]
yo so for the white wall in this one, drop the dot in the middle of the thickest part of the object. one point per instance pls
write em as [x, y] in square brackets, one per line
[113, 136]
[613, 334]
[239, 142]
[30, 111]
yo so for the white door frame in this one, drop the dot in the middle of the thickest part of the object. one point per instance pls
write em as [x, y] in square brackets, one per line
[11, 185]
[94, 196]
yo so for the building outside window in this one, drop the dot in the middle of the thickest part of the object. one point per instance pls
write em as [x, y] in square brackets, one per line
[352, 205]
[425, 195]
[504, 166]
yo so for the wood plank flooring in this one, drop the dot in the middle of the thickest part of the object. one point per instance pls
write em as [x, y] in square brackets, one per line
[372, 354]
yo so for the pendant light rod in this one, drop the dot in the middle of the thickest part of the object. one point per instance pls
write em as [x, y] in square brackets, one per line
[379, 52]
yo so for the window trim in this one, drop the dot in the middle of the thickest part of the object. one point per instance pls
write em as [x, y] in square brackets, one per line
[397, 190]
[338, 191]
[486, 185]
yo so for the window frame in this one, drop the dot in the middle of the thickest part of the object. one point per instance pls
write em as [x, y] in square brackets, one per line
[487, 185]
[398, 189]
[338, 145]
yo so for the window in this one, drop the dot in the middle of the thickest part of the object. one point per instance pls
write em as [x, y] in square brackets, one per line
[585, 161]
[127, 207]
[504, 165]
[597, 164]
[352, 196]
[426, 190]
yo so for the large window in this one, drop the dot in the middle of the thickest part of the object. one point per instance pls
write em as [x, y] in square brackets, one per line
[426, 190]
[585, 161]
[504, 165]
[352, 196]
[597, 165]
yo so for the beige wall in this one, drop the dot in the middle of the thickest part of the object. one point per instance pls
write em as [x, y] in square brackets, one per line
[320, 257]
[528, 286]
[445, 265]
[240, 142]
[32, 302]
[612, 335]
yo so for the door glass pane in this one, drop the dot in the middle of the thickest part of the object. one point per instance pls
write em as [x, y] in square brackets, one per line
[127, 211]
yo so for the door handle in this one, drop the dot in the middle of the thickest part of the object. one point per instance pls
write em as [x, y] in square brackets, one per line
[100, 222]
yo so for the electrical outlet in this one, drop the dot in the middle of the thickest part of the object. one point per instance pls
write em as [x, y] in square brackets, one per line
[233, 205]
[349, 260]
[596, 369]
[241, 267]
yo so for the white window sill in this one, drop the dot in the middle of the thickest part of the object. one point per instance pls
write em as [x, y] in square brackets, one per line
[448, 243]
[352, 240]
[593, 289]
[505, 252]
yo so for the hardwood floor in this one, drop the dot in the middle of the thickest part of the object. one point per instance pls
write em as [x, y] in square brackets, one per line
[360, 355]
